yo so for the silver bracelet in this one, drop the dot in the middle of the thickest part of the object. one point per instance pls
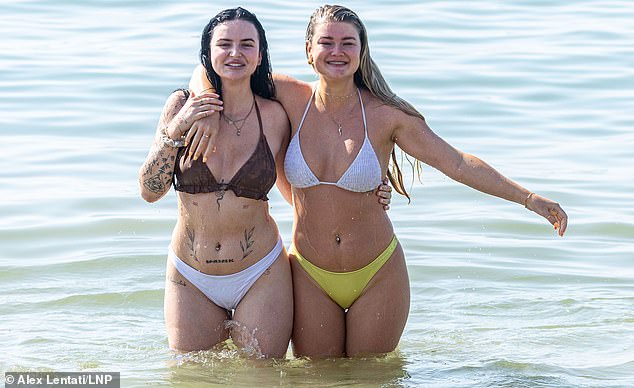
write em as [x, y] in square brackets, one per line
[171, 142]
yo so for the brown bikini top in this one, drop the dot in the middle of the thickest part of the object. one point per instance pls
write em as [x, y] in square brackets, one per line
[253, 180]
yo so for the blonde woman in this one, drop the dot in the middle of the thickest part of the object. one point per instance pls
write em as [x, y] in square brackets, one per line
[350, 281]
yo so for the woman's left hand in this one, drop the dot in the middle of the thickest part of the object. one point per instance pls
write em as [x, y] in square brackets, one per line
[384, 192]
[549, 210]
[205, 124]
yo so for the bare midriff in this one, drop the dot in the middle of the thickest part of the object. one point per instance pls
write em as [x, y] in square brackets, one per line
[225, 240]
[339, 230]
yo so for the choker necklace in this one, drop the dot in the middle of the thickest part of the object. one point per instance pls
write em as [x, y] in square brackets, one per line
[236, 123]
[338, 124]
[337, 97]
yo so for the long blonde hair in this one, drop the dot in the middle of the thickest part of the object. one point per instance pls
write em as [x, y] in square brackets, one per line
[368, 76]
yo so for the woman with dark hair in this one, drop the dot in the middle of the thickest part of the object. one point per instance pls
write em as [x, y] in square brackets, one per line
[228, 273]
[350, 281]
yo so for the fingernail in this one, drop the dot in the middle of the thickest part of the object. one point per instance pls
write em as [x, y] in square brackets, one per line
[205, 159]
[196, 157]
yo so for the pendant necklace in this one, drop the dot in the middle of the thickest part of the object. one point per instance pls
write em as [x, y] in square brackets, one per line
[238, 123]
[339, 126]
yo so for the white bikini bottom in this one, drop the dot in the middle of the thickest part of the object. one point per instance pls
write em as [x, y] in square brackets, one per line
[226, 291]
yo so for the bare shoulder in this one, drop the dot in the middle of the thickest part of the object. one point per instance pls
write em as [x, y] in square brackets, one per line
[385, 116]
[272, 109]
[291, 92]
[286, 83]
[174, 103]
[274, 118]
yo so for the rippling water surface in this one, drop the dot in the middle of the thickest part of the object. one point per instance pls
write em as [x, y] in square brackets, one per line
[542, 90]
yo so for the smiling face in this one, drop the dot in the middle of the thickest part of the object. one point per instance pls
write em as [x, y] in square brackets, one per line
[335, 49]
[235, 49]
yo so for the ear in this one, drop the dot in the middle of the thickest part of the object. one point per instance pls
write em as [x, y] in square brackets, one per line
[309, 52]
[260, 59]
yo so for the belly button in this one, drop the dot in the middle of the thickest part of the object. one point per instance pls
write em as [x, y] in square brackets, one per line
[218, 246]
[337, 238]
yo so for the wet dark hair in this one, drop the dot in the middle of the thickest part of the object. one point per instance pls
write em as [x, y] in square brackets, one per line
[262, 78]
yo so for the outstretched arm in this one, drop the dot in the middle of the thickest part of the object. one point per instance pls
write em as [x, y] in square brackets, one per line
[416, 138]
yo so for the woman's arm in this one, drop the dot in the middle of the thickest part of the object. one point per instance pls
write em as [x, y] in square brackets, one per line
[198, 83]
[155, 176]
[292, 94]
[282, 183]
[413, 135]
[173, 131]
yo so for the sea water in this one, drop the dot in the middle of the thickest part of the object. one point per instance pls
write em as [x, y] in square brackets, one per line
[542, 90]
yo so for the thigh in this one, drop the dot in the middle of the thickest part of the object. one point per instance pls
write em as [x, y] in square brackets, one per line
[264, 317]
[319, 327]
[193, 321]
[375, 322]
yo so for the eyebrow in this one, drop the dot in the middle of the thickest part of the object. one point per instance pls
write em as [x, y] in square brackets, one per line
[231, 40]
[344, 38]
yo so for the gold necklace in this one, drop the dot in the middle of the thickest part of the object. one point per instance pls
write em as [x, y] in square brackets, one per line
[338, 97]
[243, 120]
[338, 124]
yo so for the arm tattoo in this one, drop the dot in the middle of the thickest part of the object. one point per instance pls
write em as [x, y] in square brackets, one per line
[159, 165]
[154, 184]
[248, 243]
[159, 171]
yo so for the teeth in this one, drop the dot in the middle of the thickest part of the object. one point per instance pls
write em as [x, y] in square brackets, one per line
[337, 63]
[234, 64]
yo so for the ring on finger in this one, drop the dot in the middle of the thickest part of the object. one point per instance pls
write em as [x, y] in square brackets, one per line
[206, 136]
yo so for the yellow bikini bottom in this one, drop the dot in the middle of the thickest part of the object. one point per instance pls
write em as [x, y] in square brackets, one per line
[344, 287]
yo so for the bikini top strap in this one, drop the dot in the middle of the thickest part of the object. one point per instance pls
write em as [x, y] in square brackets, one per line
[301, 123]
[365, 125]
[257, 111]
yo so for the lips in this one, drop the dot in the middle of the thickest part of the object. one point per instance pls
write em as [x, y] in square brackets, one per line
[235, 65]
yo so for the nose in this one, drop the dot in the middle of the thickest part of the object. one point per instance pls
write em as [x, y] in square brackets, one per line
[233, 51]
[337, 49]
